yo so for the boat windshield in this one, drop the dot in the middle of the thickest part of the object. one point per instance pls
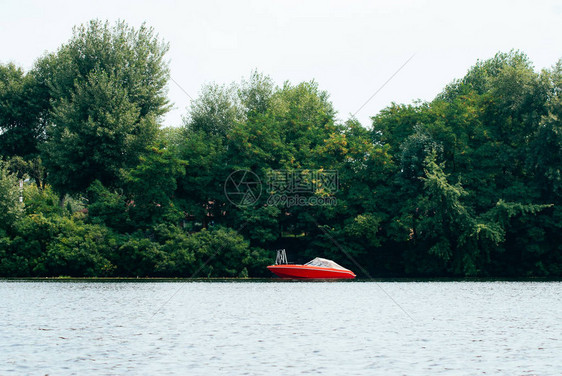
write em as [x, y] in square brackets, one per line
[324, 263]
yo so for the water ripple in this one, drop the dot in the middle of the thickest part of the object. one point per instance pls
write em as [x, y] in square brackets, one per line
[82, 328]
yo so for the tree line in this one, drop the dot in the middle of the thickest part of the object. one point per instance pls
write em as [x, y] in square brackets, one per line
[468, 184]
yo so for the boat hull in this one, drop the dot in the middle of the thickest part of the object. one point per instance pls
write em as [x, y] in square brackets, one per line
[309, 272]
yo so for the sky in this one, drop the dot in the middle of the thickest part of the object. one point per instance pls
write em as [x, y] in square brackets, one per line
[351, 48]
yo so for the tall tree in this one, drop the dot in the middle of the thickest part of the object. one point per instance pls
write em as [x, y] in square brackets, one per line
[108, 90]
[215, 111]
[24, 107]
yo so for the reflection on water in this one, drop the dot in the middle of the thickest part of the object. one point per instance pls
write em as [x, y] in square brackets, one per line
[260, 328]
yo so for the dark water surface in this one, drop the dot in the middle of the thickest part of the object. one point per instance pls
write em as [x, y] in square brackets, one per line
[268, 328]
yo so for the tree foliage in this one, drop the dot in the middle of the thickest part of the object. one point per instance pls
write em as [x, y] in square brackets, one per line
[468, 184]
[24, 112]
[107, 89]
[10, 207]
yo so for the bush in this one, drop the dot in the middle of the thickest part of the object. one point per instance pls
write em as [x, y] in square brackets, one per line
[10, 207]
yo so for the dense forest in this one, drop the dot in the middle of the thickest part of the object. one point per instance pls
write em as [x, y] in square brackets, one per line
[468, 184]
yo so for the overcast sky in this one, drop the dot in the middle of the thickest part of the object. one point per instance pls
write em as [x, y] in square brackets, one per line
[349, 47]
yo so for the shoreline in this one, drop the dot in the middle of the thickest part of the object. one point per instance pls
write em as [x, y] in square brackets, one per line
[274, 279]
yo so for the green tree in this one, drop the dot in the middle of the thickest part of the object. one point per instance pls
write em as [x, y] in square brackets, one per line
[255, 94]
[10, 207]
[200, 192]
[108, 90]
[150, 188]
[215, 111]
[78, 250]
[24, 106]
[108, 208]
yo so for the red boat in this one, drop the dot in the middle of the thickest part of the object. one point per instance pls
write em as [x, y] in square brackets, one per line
[319, 268]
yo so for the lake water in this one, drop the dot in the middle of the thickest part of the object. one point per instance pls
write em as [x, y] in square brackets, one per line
[280, 328]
